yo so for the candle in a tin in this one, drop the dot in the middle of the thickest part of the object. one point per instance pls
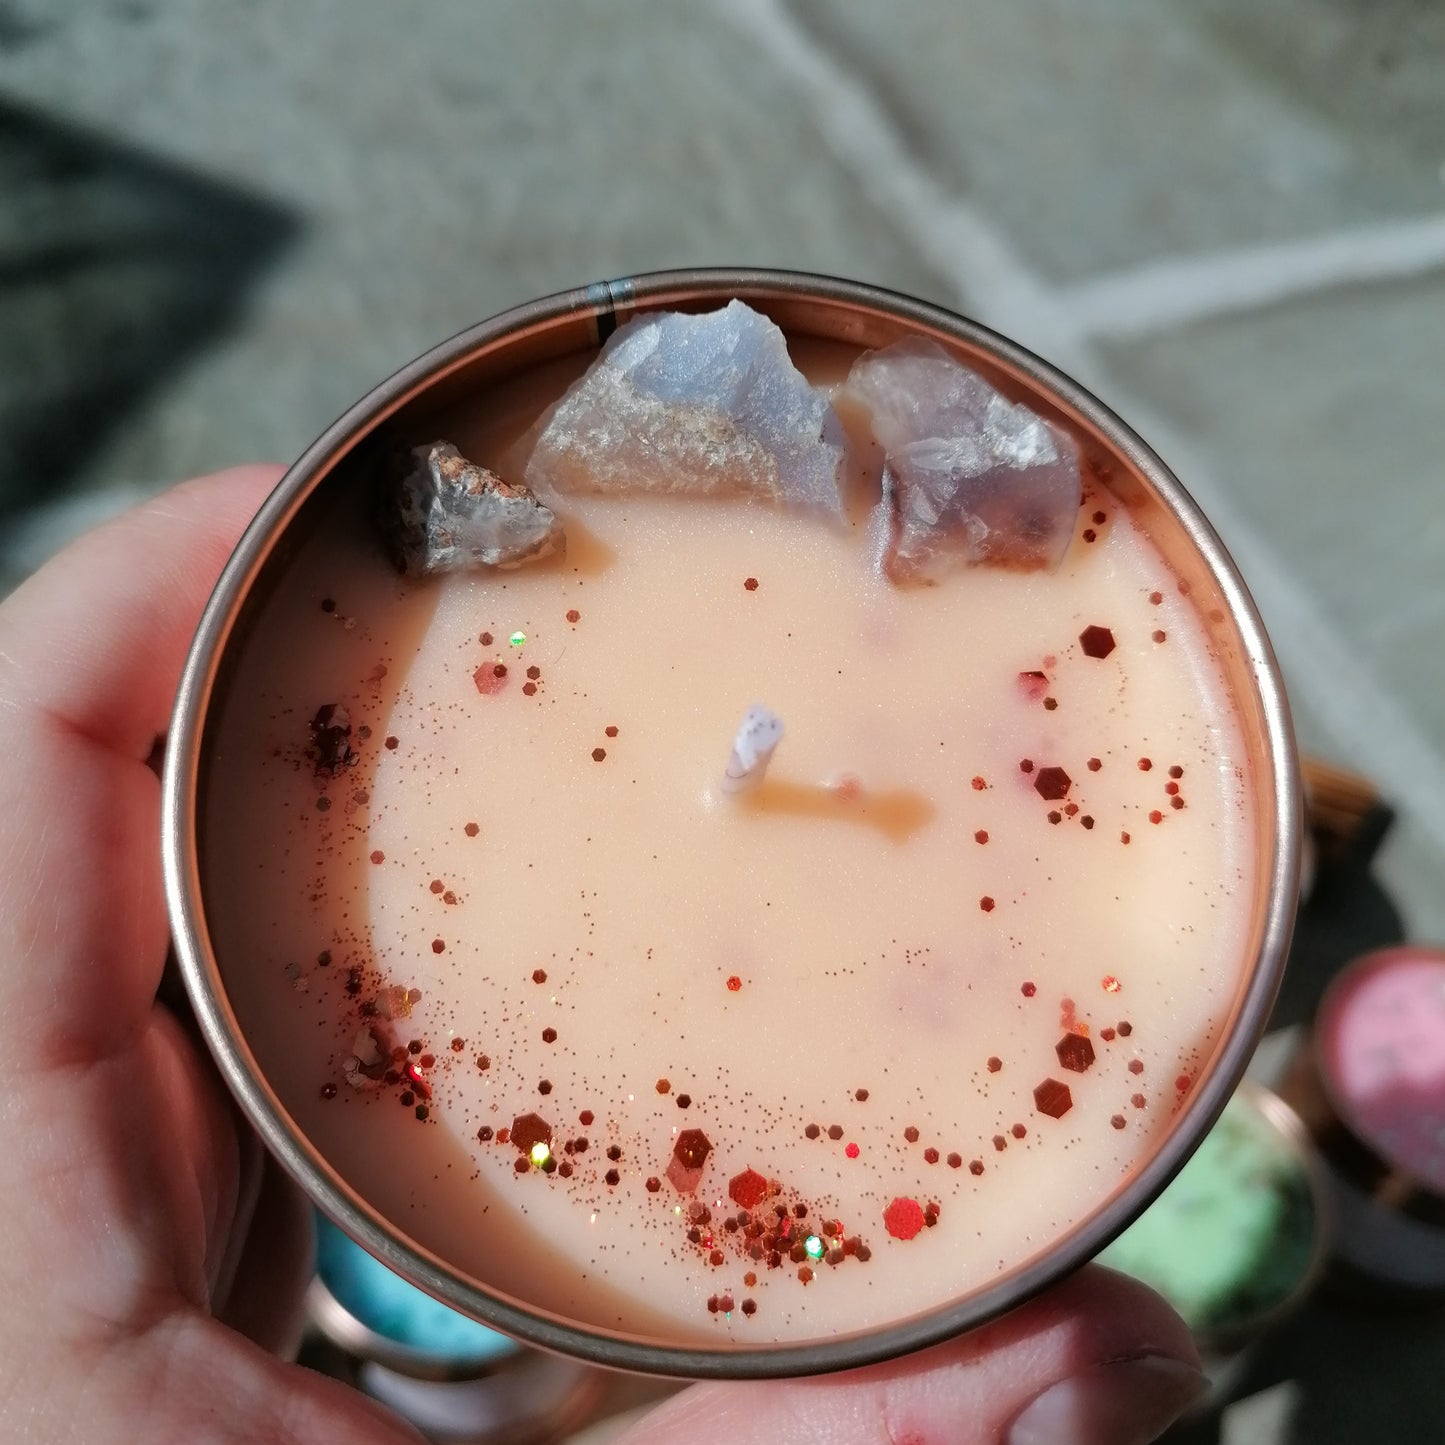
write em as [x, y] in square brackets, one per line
[713, 1069]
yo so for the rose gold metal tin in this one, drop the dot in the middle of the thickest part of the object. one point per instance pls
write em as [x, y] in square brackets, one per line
[803, 306]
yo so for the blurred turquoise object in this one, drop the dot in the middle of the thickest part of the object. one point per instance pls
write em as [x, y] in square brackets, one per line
[387, 1304]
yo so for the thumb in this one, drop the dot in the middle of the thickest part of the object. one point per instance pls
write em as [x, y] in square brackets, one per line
[1099, 1360]
[195, 1379]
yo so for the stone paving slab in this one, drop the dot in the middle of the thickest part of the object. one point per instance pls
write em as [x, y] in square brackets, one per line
[1371, 68]
[1106, 134]
[1322, 423]
[1323, 419]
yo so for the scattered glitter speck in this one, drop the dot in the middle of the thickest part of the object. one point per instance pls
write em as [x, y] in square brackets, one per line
[1052, 1098]
[903, 1218]
[748, 1189]
[517, 639]
[1075, 1053]
[1096, 641]
[1052, 784]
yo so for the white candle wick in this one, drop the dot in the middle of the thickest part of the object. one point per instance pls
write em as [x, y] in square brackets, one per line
[758, 735]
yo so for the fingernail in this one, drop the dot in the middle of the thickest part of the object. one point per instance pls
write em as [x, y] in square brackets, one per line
[1124, 1402]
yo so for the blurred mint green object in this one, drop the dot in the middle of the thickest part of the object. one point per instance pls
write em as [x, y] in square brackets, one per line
[1235, 1234]
[403, 1314]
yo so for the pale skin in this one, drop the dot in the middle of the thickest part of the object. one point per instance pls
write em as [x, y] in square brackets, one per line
[154, 1258]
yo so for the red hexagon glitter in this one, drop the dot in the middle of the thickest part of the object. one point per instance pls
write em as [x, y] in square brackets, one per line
[529, 1130]
[490, 679]
[748, 1189]
[1075, 1053]
[903, 1219]
[1053, 1098]
[1052, 784]
[692, 1148]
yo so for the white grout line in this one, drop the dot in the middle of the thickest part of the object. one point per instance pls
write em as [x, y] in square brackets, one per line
[1174, 292]
[965, 249]
[1330, 681]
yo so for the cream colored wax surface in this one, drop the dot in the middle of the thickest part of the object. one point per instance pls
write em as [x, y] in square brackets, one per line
[817, 977]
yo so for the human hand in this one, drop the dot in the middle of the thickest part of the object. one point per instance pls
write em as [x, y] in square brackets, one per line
[155, 1258]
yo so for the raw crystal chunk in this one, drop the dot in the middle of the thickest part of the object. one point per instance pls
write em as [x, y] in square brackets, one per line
[970, 476]
[706, 405]
[447, 513]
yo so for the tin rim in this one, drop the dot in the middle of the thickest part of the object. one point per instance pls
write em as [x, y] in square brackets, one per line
[606, 304]
[344, 1328]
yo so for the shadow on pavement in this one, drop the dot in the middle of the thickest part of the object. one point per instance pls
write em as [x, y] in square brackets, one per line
[116, 268]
